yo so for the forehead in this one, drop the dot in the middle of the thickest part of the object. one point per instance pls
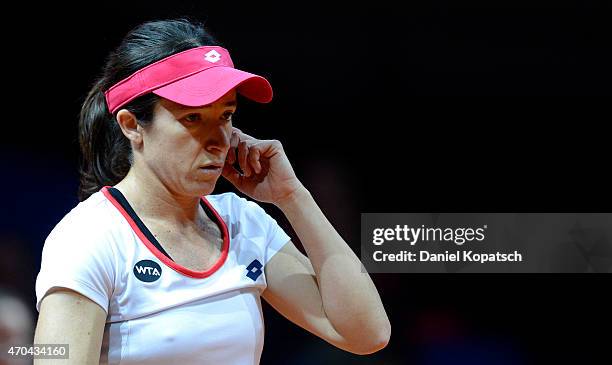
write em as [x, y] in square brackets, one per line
[227, 100]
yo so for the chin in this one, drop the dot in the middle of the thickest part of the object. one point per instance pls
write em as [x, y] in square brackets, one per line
[204, 187]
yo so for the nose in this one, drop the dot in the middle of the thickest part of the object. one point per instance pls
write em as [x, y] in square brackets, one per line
[217, 139]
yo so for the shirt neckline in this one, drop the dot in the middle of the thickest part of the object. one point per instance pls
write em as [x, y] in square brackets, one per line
[120, 202]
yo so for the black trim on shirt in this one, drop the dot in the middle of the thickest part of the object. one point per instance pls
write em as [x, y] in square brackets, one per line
[120, 198]
[128, 208]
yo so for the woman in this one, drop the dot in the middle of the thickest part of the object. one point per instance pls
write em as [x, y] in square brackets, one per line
[150, 268]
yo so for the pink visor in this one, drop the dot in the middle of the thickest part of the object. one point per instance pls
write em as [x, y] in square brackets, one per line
[195, 77]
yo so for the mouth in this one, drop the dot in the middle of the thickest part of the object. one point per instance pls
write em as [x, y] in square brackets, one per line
[212, 167]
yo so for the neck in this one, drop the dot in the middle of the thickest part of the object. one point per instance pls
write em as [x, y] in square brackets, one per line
[151, 199]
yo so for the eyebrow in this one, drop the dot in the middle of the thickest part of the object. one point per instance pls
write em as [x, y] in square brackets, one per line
[182, 107]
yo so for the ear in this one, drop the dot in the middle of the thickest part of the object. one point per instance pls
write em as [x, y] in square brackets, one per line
[129, 126]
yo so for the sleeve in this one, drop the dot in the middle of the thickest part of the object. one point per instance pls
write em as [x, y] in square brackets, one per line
[78, 257]
[275, 236]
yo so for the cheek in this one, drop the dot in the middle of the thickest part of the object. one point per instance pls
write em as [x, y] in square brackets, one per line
[171, 147]
[180, 153]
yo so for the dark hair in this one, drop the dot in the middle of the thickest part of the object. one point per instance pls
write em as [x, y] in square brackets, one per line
[106, 152]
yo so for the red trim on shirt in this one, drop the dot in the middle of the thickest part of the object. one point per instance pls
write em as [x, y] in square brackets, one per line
[176, 267]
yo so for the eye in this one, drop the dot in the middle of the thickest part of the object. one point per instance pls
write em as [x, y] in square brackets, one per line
[228, 115]
[193, 117]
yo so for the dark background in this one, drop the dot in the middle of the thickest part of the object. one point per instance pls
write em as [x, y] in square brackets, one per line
[433, 106]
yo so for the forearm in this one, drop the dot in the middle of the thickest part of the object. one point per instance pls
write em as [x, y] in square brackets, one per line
[350, 299]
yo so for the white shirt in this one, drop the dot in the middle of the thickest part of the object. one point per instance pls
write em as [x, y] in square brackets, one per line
[159, 312]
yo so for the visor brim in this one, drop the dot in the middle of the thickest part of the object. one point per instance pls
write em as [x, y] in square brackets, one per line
[210, 85]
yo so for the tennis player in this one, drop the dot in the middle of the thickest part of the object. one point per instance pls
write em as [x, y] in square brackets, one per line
[150, 267]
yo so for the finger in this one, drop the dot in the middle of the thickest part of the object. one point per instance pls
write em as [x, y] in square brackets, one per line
[231, 156]
[254, 159]
[235, 138]
[243, 151]
[243, 136]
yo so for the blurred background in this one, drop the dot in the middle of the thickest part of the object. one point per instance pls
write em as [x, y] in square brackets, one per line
[435, 106]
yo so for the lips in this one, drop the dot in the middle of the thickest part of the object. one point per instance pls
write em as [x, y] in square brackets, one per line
[212, 169]
[212, 166]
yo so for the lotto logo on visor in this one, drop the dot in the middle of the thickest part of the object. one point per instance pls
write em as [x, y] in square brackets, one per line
[212, 56]
[195, 77]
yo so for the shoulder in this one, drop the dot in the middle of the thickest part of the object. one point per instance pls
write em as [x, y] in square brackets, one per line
[88, 222]
[234, 204]
[80, 254]
[241, 214]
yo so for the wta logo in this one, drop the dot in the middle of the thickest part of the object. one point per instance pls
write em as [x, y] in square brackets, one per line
[147, 271]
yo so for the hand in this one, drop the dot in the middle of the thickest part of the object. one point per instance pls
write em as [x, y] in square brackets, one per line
[268, 175]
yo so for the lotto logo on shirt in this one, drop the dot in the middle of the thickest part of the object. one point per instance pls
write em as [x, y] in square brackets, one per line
[147, 271]
[254, 269]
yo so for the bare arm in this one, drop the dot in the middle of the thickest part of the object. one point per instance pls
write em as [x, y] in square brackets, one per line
[67, 317]
[326, 292]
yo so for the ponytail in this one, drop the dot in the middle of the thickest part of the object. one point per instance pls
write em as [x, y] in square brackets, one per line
[105, 150]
